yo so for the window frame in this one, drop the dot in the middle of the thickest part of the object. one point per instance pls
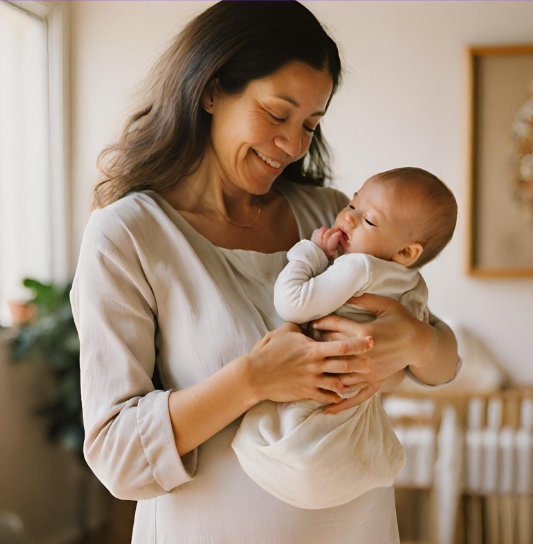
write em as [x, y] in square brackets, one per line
[56, 16]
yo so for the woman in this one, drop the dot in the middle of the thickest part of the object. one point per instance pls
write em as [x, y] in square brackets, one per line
[176, 275]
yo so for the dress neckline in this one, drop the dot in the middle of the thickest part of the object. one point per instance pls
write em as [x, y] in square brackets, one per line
[284, 188]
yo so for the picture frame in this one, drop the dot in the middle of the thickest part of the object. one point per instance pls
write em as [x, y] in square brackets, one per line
[500, 202]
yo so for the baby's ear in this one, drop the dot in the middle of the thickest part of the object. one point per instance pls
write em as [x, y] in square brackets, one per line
[409, 254]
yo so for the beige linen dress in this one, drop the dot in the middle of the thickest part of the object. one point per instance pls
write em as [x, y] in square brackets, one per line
[150, 290]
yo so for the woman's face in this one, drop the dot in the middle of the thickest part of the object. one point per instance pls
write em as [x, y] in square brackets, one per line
[255, 134]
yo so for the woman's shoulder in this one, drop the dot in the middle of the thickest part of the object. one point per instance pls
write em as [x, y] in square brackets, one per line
[314, 206]
[128, 210]
[316, 196]
[127, 221]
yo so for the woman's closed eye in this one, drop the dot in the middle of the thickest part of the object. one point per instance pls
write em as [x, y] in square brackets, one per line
[282, 120]
[277, 119]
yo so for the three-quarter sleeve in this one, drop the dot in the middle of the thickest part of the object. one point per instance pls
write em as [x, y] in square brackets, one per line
[129, 441]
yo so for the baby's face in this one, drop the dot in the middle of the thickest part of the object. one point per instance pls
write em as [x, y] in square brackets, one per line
[380, 220]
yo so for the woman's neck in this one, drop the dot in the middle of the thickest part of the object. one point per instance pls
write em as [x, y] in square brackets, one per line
[210, 189]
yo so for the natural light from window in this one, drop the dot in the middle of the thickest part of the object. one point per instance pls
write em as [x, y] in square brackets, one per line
[25, 223]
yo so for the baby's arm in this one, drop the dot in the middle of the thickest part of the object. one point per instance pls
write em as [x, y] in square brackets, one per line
[307, 289]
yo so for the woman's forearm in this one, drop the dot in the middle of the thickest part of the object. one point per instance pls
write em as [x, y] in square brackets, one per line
[200, 411]
[393, 381]
[442, 360]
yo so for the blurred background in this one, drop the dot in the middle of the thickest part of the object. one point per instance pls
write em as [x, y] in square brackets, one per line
[69, 70]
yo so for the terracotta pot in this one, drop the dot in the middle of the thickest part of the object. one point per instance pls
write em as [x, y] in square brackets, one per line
[21, 312]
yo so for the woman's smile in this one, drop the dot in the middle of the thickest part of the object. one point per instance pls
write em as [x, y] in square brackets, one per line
[267, 160]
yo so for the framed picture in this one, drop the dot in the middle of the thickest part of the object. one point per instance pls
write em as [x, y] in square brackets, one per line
[500, 165]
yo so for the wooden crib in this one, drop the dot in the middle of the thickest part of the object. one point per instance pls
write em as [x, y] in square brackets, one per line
[468, 477]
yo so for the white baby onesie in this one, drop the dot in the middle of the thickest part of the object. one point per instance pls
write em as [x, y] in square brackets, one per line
[294, 451]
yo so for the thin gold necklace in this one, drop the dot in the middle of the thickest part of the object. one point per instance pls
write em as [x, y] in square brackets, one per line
[230, 221]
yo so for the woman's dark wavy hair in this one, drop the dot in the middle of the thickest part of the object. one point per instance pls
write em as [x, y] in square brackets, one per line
[236, 42]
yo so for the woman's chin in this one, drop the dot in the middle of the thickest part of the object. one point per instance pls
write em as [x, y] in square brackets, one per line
[259, 183]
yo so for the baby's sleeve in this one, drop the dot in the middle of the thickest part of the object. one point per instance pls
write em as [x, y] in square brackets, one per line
[129, 443]
[307, 289]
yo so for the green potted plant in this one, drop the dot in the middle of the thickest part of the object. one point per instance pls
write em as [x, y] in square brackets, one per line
[51, 336]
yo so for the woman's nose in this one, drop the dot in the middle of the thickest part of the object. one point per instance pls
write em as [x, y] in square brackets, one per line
[290, 143]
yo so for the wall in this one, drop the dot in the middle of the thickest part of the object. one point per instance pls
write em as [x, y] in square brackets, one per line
[402, 103]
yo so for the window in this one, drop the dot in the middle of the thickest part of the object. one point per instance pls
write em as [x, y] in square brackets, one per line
[33, 241]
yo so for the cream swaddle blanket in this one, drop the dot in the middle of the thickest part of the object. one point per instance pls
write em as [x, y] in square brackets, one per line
[294, 451]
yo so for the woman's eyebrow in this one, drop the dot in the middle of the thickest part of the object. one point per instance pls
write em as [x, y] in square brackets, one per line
[296, 105]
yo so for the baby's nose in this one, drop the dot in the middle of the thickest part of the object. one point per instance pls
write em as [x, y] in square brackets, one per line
[350, 219]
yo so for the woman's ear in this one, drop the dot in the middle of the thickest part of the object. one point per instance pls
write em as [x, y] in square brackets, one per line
[208, 96]
[409, 254]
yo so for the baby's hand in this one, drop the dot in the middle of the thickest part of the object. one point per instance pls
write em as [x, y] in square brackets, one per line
[327, 240]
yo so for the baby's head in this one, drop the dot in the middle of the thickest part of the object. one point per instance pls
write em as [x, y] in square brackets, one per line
[406, 215]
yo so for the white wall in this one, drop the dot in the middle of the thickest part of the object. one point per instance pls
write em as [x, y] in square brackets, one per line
[402, 103]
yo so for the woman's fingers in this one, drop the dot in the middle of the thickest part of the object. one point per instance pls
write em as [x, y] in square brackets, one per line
[364, 394]
[352, 378]
[317, 335]
[349, 346]
[335, 323]
[325, 397]
[325, 336]
[332, 383]
[283, 329]
[349, 365]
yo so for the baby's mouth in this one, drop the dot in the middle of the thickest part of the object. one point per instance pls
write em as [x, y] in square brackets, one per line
[344, 234]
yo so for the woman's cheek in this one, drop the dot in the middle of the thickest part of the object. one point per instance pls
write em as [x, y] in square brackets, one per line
[306, 142]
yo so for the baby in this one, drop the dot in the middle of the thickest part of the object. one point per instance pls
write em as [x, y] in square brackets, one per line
[397, 222]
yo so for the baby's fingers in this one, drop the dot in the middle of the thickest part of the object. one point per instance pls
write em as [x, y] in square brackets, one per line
[318, 235]
[333, 241]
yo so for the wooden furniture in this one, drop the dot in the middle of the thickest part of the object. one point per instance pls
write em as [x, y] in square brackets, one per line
[481, 491]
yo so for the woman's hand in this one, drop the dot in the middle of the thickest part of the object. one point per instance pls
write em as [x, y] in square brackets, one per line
[400, 339]
[287, 366]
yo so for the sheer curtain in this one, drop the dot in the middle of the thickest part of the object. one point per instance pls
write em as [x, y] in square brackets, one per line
[25, 189]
